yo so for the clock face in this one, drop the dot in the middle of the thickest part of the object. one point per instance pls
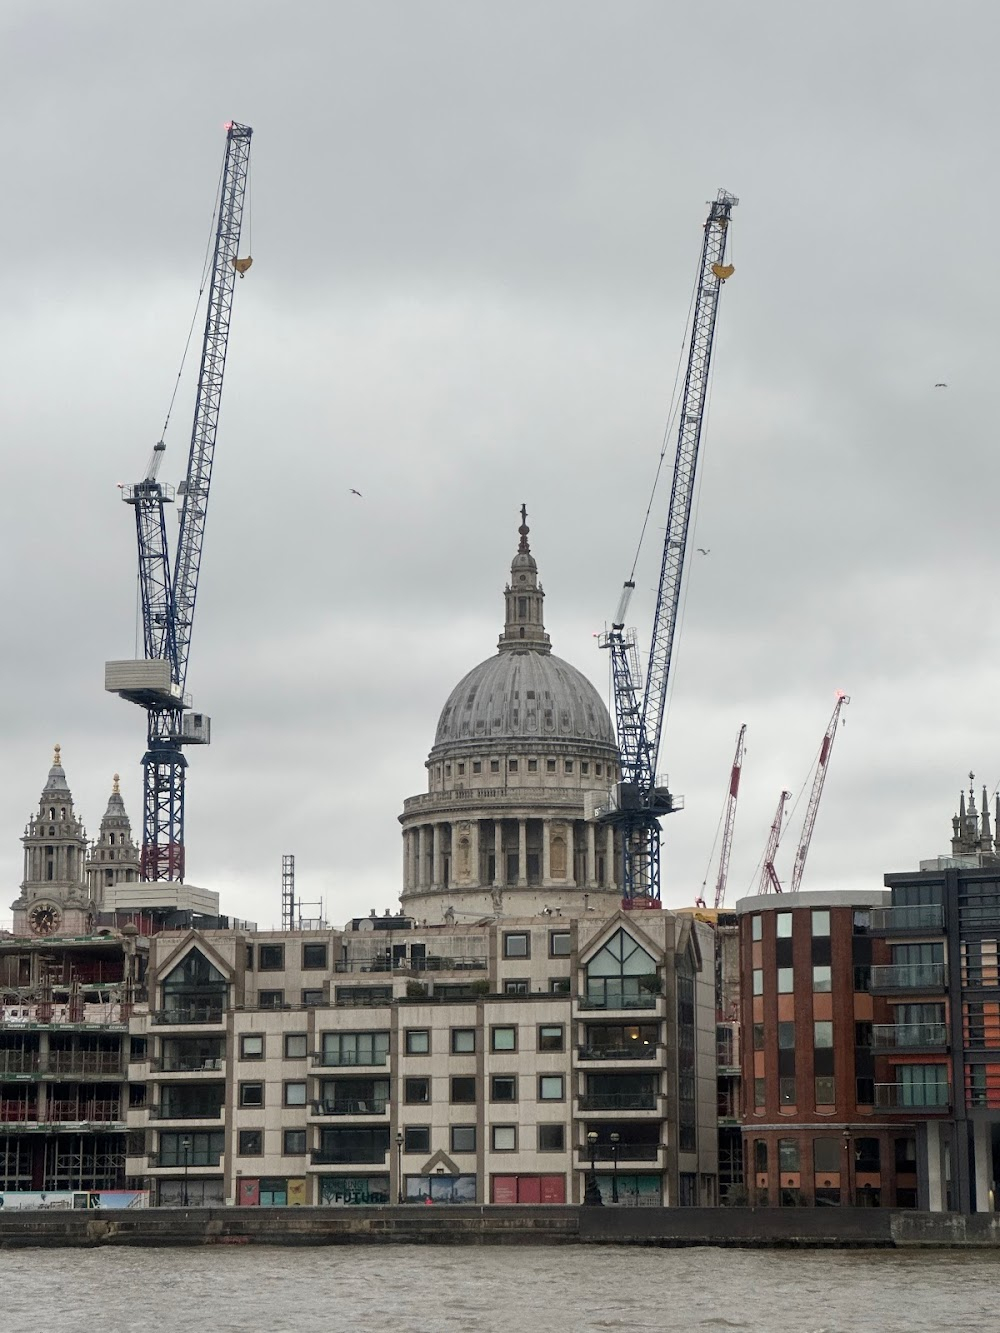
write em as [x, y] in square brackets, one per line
[44, 919]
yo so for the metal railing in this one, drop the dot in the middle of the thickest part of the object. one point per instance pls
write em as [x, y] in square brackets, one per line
[352, 1106]
[349, 1059]
[636, 1051]
[84, 1063]
[349, 1157]
[170, 1112]
[908, 976]
[183, 1065]
[913, 1096]
[626, 1152]
[188, 1161]
[924, 916]
[617, 1101]
[74, 1112]
[390, 965]
[645, 1001]
[900, 1036]
[189, 1013]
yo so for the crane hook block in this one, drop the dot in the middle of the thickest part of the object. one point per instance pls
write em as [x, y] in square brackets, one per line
[241, 265]
[721, 271]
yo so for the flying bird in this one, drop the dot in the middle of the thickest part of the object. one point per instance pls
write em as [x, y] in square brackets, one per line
[357, 493]
[940, 385]
[702, 551]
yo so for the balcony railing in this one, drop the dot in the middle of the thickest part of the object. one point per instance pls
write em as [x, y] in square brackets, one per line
[912, 1096]
[188, 1161]
[618, 1101]
[635, 1051]
[350, 1059]
[189, 1013]
[904, 1036]
[83, 1063]
[72, 1112]
[432, 964]
[187, 1065]
[647, 1000]
[626, 1152]
[169, 1112]
[352, 1106]
[908, 976]
[923, 917]
[349, 1157]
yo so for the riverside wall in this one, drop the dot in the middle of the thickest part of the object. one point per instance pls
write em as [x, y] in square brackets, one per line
[471, 1225]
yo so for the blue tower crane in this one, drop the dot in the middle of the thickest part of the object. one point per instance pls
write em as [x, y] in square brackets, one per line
[157, 681]
[641, 797]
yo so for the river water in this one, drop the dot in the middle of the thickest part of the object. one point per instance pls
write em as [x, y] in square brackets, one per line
[467, 1289]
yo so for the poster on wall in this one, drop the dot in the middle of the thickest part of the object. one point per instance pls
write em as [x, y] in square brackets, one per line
[353, 1191]
[440, 1189]
[49, 1200]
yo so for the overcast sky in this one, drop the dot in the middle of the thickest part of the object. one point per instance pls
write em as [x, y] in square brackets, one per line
[475, 228]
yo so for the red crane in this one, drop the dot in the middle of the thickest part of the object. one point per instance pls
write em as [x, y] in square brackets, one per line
[729, 820]
[825, 750]
[769, 882]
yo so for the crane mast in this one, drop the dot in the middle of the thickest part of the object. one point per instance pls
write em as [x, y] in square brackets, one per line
[809, 823]
[769, 882]
[168, 595]
[730, 819]
[640, 800]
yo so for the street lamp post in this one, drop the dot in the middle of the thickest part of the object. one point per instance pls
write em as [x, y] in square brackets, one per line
[615, 1140]
[847, 1161]
[399, 1166]
[186, 1149]
[592, 1194]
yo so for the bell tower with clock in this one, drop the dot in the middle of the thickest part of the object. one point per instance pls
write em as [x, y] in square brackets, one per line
[55, 896]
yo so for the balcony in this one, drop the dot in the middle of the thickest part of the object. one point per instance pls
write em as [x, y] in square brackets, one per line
[180, 1065]
[617, 1101]
[184, 1113]
[182, 1015]
[405, 965]
[644, 1000]
[189, 1163]
[349, 1060]
[627, 1152]
[907, 977]
[349, 1157]
[912, 1096]
[638, 1051]
[910, 1036]
[353, 1106]
[927, 918]
[81, 1064]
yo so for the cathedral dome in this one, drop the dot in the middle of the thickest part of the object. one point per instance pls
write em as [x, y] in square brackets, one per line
[523, 696]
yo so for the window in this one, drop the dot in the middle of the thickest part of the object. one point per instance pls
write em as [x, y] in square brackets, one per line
[820, 922]
[270, 957]
[295, 1094]
[559, 944]
[826, 1155]
[504, 1138]
[788, 1154]
[758, 981]
[477, 765]
[786, 1091]
[271, 999]
[355, 1048]
[786, 1036]
[621, 970]
[516, 944]
[758, 1092]
[249, 957]
[825, 1091]
[313, 956]
[760, 1155]
[584, 767]
[516, 986]
[416, 1090]
[251, 1094]
[862, 921]
[252, 1046]
[417, 1138]
[532, 765]
[822, 978]
[312, 998]
[823, 1033]
[786, 980]
[756, 927]
[550, 1088]
[463, 1138]
[504, 1038]
[250, 1142]
[559, 985]
[418, 1041]
[758, 1036]
[503, 1088]
[295, 1046]
[463, 1041]
[461, 770]
[569, 765]
[293, 1142]
[551, 1138]
[511, 765]
[463, 1089]
[550, 765]
[494, 765]
[550, 1038]
[783, 925]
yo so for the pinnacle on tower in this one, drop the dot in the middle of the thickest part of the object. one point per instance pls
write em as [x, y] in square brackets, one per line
[524, 628]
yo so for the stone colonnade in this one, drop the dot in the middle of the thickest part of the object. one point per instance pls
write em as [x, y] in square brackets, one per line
[550, 851]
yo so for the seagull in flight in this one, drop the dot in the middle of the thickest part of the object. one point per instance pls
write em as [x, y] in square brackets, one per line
[702, 551]
[940, 385]
[357, 493]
